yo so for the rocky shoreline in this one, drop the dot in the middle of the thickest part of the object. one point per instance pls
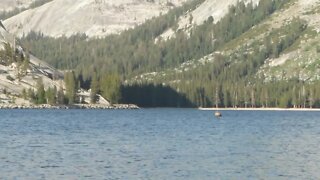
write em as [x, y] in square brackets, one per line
[75, 106]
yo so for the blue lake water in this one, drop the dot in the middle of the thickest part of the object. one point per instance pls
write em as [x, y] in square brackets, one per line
[158, 144]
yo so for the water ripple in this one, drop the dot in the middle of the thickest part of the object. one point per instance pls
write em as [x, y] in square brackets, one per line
[158, 144]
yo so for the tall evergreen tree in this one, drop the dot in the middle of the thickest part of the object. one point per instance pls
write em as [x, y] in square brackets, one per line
[71, 86]
[94, 88]
[41, 93]
[110, 87]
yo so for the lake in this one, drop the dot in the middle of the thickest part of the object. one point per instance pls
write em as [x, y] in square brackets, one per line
[158, 144]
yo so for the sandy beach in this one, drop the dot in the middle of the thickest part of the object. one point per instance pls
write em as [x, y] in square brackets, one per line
[260, 109]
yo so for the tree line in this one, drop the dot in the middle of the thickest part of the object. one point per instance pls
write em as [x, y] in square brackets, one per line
[69, 94]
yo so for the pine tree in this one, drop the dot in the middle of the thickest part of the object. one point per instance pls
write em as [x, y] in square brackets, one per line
[110, 88]
[41, 93]
[94, 89]
[61, 97]
[51, 95]
[71, 87]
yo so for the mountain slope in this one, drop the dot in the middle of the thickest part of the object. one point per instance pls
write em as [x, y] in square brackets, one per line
[291, 70]
[300, 61]
[302, 54]
[16, 76]
[256, 54]
[209, 8]
[92, 17]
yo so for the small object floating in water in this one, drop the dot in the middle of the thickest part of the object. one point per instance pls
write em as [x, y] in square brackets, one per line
[217, 114]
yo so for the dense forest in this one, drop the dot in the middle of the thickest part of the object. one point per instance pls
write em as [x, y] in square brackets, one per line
[230, 80]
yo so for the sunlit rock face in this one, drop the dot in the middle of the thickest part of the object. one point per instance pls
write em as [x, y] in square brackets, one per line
[96, 18]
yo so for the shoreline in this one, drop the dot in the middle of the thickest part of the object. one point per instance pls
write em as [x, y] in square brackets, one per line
[75, 106]
[260, 109]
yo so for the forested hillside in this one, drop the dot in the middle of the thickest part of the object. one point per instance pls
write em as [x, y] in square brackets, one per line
[224, 62]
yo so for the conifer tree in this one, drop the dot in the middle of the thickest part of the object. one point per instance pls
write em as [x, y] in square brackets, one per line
[110, 87]
[41, 93]
[94, 88]
[71, 86]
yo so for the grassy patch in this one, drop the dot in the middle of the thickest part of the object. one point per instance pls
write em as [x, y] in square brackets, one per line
[246, 37]
[314, 66]
[308, 34]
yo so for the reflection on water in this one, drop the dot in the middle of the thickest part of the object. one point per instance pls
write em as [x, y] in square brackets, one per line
[158, 144]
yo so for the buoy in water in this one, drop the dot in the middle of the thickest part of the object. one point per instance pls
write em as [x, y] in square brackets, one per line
[217, 114]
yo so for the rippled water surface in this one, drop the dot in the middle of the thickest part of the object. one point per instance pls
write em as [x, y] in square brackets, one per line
[158, 144]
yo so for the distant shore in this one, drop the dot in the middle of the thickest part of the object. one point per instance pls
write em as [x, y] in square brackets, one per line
[260, 109]
[75, 106]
